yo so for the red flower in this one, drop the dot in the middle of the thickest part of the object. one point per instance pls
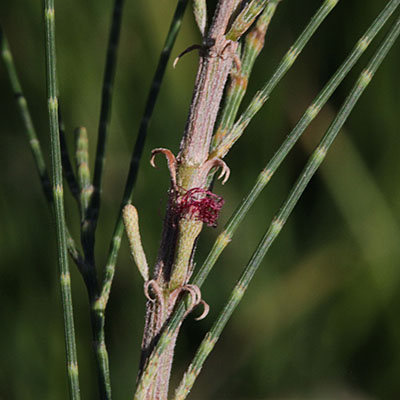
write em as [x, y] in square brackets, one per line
[201, 204]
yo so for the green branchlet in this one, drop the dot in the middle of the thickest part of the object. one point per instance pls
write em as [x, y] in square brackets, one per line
[58, 196]
[105, 111]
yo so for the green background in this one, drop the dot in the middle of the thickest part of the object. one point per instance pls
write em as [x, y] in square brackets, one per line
[321, 319]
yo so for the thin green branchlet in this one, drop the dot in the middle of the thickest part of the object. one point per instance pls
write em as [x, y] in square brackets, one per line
[90, 214]
[281, 217]
[262, 95]
[26, 116]
[33, 139]
[105, 111]
[85, 191]
[91, 211]
[58, 196]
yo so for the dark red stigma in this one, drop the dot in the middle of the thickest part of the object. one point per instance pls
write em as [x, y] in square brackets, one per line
[201, 204]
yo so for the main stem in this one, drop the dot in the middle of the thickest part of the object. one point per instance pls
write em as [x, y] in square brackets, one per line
[188, 171]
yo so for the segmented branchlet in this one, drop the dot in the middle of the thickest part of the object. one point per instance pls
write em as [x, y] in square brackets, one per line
[58, 200]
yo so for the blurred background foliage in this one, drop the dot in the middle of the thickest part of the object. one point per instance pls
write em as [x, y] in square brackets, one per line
[320, 321]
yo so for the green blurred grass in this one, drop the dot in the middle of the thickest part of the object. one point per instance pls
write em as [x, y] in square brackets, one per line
[321, 319]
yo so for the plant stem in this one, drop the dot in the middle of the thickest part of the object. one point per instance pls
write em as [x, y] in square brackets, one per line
[215, 64]
[262, 95]
[281, 217]
[188, 172]
[57, 188]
